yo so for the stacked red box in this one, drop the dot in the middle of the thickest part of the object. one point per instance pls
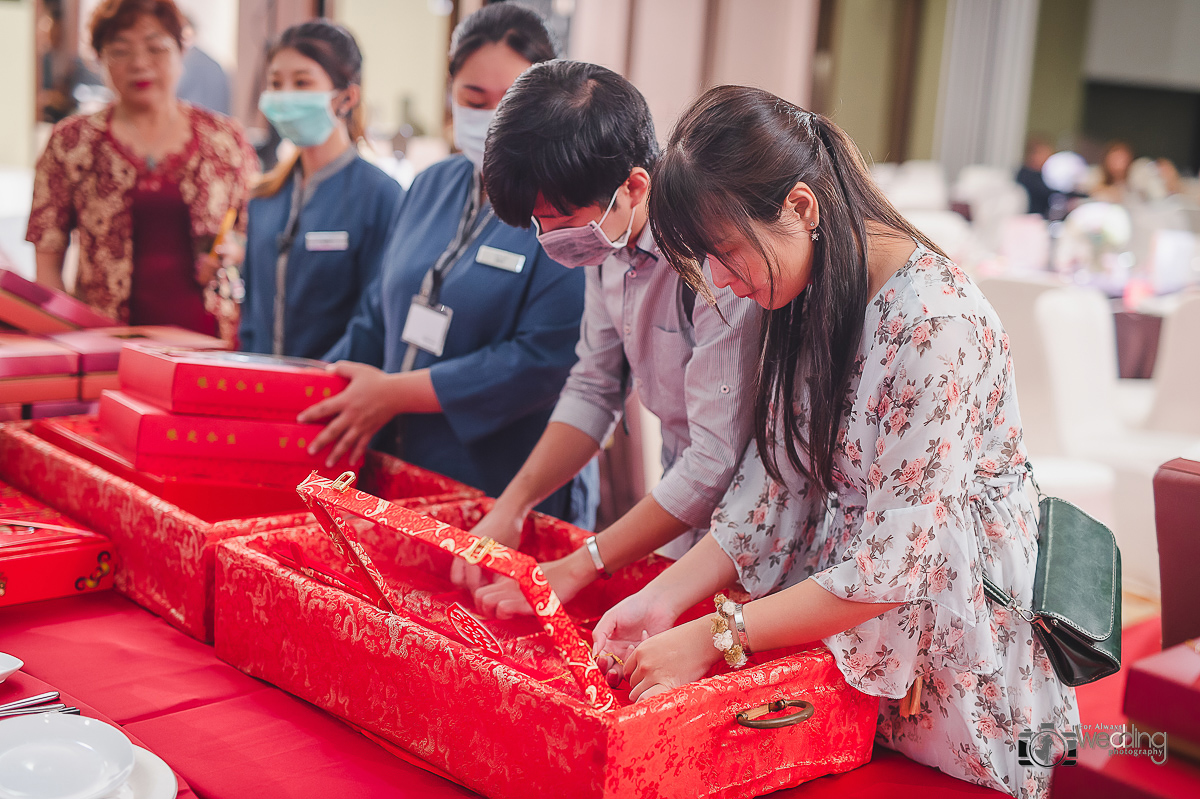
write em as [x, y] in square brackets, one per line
[100, 350]
[34, 308]
[509, 708]
[166, 543]
[232, 384]
[1162, 695]
[44, 554]
[34, 369]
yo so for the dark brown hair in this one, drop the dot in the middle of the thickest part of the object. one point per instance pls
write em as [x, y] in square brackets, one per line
[520, 29]
[114, 16]
[336, 51]
[731, 162]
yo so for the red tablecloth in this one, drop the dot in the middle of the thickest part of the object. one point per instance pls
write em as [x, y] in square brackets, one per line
[231, 736]
[21, 685]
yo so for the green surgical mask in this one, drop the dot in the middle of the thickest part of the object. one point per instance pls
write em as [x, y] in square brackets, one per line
[306, 118]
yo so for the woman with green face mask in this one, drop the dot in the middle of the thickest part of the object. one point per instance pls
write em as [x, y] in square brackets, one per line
[319, 221]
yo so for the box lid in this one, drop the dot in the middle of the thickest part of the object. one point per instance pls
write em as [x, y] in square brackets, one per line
[35, 308]
[99, 349]
[226, 383]
[1163, 691]
[30, 356]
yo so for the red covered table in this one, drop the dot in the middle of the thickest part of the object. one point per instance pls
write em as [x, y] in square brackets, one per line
[230, 736]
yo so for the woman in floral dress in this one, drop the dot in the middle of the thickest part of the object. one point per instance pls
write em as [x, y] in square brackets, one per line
[888, 475]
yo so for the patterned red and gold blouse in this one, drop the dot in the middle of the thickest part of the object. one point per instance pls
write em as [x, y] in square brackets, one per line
[85, 178]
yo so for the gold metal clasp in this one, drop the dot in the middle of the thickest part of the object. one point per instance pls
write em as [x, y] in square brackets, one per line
[478, 550]
[344, 480]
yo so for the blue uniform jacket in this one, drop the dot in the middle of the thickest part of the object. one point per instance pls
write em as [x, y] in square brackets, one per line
[510, 345]
[323, 287]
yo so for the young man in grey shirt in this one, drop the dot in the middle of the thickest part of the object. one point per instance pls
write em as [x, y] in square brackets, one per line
[569, 151]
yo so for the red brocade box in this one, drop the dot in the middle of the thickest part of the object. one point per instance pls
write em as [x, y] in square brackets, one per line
[510, 708]
[166, 547]
[33, 369]
[158, 442]
[100, 350]
[34, 308]
[44, 555]
[1162, 694]
[227, 383]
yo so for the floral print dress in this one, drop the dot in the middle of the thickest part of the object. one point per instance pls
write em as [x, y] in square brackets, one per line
[929, 496]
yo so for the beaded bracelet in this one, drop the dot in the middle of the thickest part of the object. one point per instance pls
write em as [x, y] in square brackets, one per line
[723, 627]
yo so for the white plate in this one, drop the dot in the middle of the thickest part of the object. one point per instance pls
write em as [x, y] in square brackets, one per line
[9, 666]
[54, 756]
[151, 778]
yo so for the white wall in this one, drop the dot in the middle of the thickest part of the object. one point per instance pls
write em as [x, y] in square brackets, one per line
[16, 90]
[1153, 42]
[404, 48]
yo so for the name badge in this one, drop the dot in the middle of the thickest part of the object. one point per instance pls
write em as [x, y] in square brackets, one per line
[501, 259]
[426, 327]
[327, 241]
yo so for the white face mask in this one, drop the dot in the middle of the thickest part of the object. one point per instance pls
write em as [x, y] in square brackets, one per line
[583, 246]
[470, 130]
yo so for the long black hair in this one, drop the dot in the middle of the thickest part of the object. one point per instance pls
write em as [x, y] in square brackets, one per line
[520, 29]
[732, 160]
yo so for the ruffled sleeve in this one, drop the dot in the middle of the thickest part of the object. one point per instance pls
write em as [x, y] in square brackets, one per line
[915, 542]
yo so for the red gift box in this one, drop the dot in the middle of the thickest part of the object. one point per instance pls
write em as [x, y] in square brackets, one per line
[44, 555]
[166, 549]
[227, 383]
[34, 308]
[159, 442]
[1162, 694]
[34, 369]
[510, 708]
[100, 350]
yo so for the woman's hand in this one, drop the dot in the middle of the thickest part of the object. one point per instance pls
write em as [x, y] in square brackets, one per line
[503, 599]
[358, 412]
[206, 269]
[625, 626]
[670, 659]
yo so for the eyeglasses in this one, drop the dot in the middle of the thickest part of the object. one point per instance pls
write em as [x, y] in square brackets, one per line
[156, 50]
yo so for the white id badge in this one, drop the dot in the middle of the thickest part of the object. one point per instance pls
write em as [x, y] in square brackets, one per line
[327, 241]
[501, 259]
[427, 327]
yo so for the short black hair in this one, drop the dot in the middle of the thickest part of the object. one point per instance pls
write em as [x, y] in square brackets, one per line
[569, 131]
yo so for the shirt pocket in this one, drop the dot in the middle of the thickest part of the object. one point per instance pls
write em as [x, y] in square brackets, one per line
[661, 382]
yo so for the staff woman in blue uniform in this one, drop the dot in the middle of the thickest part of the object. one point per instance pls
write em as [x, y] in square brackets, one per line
[469, 337]
[318, 224]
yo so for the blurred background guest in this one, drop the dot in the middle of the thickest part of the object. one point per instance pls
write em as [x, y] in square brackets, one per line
[319, 221]
[470, 334]
[1114, 173]
[204, 82]
[1037, 150]
[146, 182]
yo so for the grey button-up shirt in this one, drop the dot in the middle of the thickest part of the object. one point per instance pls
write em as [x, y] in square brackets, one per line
[696, 376]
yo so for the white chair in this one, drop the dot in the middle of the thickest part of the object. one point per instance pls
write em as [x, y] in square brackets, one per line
[1176, 405]
[1015, 301]
[918, 186]
[1080, 346]
[947, 230]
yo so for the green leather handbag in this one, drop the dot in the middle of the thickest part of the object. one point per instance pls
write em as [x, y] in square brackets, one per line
[1076, 608]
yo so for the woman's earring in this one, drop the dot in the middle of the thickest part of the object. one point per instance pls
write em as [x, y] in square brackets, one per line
[815, 235]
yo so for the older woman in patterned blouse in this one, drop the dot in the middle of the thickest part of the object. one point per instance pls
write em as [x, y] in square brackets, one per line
[146, 181]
